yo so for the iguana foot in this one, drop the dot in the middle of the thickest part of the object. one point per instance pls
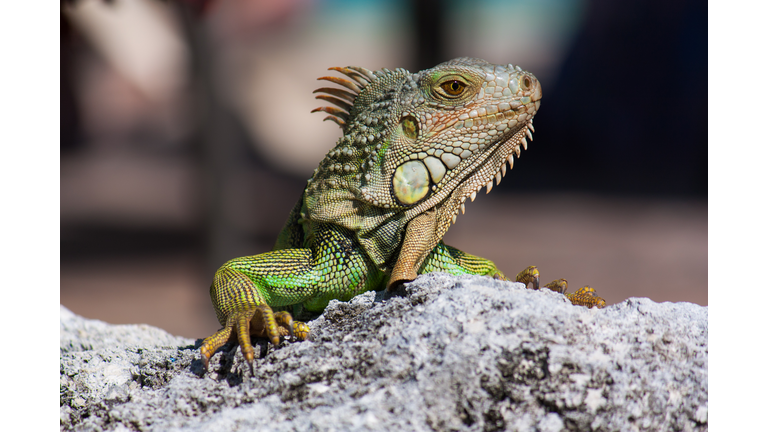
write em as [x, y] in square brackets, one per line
[582, 297]
[585, 296]
[560, 286]
[260, 322]
[529, 275]
[500, 276]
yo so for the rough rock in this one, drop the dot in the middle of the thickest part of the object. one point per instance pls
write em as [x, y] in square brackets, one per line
[445, 353]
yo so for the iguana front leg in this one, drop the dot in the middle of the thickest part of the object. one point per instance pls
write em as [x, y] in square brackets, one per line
[244, 290]
[447, 259]
[419, 240]
[444, 258]
[422, 252]
[584, 296]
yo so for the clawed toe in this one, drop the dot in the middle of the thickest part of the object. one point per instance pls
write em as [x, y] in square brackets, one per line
[586, 297]
[260, 322]
[529, 275]
[559, 286]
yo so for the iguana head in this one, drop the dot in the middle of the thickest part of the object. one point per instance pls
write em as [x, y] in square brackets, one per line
[419, 142]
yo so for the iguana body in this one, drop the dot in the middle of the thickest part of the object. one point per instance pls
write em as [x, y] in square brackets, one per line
[414, 148]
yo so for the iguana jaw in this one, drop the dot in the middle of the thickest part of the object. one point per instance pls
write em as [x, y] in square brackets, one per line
[505, 152]
[486, 116]
[482, 173]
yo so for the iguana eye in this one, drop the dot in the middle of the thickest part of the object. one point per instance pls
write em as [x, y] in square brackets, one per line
[453, 87]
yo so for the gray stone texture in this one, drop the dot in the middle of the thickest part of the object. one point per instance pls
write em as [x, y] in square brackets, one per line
[444, 353]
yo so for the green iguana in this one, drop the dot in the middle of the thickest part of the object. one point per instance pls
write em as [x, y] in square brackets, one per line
[415, 146]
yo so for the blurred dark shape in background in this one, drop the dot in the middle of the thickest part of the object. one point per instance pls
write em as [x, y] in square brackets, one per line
[186, 138]
[627, 112]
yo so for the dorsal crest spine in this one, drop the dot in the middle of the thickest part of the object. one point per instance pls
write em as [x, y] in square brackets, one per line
[357, 79]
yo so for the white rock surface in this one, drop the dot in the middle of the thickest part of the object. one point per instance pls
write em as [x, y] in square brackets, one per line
[449, 353]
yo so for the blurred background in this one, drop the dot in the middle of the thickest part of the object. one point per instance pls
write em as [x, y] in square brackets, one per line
[186, 138]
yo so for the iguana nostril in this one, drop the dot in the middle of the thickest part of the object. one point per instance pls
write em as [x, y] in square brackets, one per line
[526, 83]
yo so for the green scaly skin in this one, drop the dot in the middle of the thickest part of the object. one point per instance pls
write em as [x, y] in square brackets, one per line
[414, 148]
